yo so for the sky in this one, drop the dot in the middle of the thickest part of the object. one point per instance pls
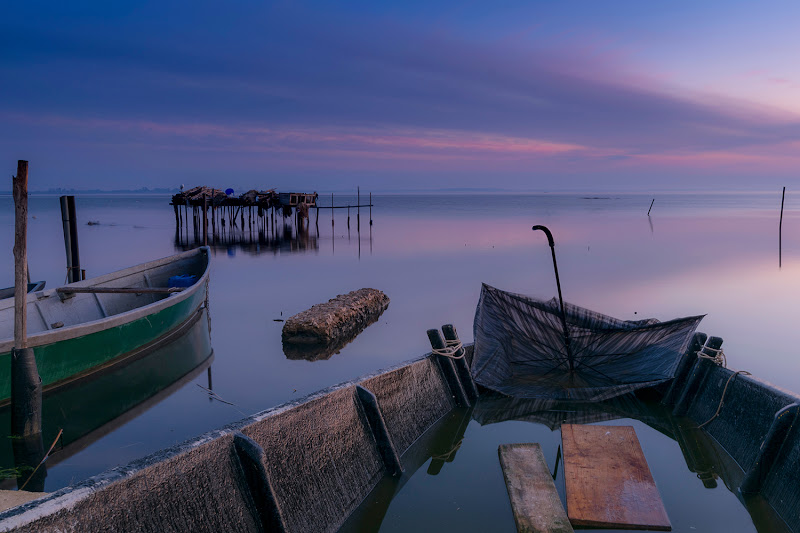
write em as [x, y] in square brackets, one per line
[412, 95]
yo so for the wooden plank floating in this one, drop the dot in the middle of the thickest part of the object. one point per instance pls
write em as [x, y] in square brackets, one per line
[534, 499]
[343, 316]
[608, 482]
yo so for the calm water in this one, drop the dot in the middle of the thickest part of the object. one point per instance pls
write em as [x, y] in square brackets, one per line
[696, 253]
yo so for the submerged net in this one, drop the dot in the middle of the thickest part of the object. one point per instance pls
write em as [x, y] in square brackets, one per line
[520, 349]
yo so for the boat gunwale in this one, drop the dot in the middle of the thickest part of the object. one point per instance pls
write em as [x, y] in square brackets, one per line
[87, 328]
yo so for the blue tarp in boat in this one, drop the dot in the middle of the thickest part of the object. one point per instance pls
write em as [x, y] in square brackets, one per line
[521, 351]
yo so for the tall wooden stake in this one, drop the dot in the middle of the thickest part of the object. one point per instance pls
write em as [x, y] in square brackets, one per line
[205, 220]
[26, 386]
[20, 255]
[69, 219]
[780, 230]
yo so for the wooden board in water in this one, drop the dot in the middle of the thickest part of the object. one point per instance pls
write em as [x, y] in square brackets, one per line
[608, 481]
[534, 500]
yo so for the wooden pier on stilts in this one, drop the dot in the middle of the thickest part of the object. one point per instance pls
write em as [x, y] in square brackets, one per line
[251, 218]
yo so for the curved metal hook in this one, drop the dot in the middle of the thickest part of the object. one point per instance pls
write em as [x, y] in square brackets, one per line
[567, 343]
[546, 231]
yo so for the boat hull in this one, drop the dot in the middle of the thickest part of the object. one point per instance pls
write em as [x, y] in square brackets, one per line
[75, 357]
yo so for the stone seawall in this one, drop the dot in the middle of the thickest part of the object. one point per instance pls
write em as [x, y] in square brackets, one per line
[302, 466]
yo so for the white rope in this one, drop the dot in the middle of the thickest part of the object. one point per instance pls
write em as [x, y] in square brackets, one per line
[450, 350]
[717, 355]
[722, 399]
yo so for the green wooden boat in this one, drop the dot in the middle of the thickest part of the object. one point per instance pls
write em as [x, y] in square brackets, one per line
[90, 326]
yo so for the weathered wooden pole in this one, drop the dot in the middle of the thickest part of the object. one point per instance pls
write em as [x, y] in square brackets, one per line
[331, 209]
[20, 191]
[205, 220]
[26, 386]
[177, 219]
[370, 209]
[448, 369]
[651, 206]
[461, 366]
[780, 230]
[70, 223]
[358, 209]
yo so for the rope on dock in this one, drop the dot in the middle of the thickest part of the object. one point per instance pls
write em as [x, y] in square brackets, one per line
[722, 399]
[60, 431]
[718, 357]
[450, 350]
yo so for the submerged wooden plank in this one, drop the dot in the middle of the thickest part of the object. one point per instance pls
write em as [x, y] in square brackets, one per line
[534, 500]
[608, 481]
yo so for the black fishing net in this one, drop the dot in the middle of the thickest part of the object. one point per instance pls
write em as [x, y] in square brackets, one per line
[521, 351]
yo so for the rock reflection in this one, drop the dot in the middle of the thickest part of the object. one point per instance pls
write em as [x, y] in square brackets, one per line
[323, 351]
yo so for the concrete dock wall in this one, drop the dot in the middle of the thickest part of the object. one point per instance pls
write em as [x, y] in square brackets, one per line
[757, 426]
[303, 466]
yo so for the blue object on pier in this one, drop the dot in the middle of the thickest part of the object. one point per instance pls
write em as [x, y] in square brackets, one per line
[183, 280]
[228, 191]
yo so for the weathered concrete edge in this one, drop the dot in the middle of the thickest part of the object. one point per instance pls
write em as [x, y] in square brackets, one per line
[765, 389]
[68, 497]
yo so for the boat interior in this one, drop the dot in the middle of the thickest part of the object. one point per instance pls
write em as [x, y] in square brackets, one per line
[50, 309]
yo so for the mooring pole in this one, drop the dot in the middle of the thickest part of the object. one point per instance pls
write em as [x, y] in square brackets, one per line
[358, 210]
[70, 223]
[780, 229]
[448, 369]
[370, 209]
[20, 184]
[552, 244]
[205, 220]
[26, 386]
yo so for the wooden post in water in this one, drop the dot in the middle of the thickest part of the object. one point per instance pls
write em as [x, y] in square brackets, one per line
[20, 191]
[26, 386]
[370, 209]
[651, 206]
[358, 210]
[780, 230]
[331, 209]
[70, 223]
[213, 220]
[205, 220]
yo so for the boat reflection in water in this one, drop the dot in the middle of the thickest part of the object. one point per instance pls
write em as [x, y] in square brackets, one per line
[90, 409]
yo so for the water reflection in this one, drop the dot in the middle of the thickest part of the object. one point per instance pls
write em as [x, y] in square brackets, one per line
[280, 237]
[94, 407]
[317, 351]
[440, 444]
[498, 420]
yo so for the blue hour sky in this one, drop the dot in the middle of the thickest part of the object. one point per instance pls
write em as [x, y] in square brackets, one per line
[570, 95]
